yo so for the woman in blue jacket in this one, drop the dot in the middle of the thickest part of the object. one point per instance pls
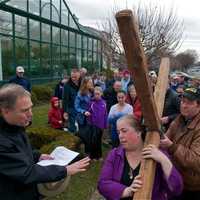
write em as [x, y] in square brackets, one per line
[81, 105]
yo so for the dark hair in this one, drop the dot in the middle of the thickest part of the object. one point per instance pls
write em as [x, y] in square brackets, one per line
[133, 122]
[75, 69]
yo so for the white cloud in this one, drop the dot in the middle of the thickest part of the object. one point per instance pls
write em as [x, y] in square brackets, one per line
[90, 12]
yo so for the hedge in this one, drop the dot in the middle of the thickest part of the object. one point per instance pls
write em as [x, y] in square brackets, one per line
[42, 93]
[46, 139]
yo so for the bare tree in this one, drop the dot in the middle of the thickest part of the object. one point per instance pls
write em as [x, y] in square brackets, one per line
[161, 34]
[112, 46]
[186, 59]
[161, 31]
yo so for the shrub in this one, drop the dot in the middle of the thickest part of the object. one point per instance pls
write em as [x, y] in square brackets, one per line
[42, 92]
[34, 98]
[68, 141]
[47, 138]
[52, 84]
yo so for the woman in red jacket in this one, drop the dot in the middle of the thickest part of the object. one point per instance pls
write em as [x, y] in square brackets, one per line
[133, 100]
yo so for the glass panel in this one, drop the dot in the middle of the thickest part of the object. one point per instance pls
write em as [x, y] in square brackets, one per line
[84, 42]
[79, 44]
[7, 57]
[45, 9]
[56, 3]
[99, 46]
[46, 62]
[84, 64]
[94, 45]
[72, 24]
[90, 56]
[46, 36]
[64, 14]
[55, 14]
[64, 37]
[56, 67]
[21, 53]
[89, 44]
[64, 58]
[78, 58]
[19, 4]
[5, 22]
[34, 29]
[56, 35]
[34, 7]
[95, 59]
[99, 60]
[20, 26]
[72, 57]
[89, 63]
[72, 39]
[35, 68]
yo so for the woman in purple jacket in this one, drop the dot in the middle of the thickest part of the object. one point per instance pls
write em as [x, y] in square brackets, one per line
[120, 178]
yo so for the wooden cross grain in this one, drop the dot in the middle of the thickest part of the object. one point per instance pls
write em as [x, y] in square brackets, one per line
[128, 29]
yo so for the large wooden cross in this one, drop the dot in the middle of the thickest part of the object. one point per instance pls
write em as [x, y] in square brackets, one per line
[152, 105]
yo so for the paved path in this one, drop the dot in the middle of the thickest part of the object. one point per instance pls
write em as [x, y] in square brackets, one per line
[96, 196]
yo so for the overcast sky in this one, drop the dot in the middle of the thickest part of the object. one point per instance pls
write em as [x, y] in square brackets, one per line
[90, 12]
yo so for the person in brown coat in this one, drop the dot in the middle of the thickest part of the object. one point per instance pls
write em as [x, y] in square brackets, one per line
[183, 143]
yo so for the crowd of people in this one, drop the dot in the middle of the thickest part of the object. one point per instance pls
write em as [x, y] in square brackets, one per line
[93, 107]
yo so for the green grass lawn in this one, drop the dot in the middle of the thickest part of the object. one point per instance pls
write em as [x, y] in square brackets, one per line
[40, 115]
[82, 185]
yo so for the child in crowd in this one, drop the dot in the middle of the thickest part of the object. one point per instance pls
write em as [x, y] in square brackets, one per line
[55, 114]
[98, 119]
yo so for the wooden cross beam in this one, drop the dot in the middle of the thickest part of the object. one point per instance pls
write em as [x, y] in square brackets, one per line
[128, 29]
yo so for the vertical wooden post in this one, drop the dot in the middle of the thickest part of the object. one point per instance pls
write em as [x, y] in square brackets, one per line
[136, 61]
[162, 85]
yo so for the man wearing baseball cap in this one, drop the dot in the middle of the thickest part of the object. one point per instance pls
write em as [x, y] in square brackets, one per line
[20, 79]
[183, 143]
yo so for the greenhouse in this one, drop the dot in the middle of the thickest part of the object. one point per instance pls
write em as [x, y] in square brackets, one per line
[46, 39]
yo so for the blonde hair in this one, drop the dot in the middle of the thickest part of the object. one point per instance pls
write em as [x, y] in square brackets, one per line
[84, 90]
[99, 89]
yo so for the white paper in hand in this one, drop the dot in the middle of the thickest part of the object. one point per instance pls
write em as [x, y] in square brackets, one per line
[62, 156]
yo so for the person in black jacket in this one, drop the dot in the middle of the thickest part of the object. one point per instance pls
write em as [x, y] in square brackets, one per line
[60, 87]
[19, 171]
[110, 94]
[171, 107]
[70, 92]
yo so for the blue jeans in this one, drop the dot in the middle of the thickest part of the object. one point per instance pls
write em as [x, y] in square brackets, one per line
[72, 118]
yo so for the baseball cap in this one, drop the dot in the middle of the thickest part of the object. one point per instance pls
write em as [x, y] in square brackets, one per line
[153, 74]
[192, 93]
[19, 69]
